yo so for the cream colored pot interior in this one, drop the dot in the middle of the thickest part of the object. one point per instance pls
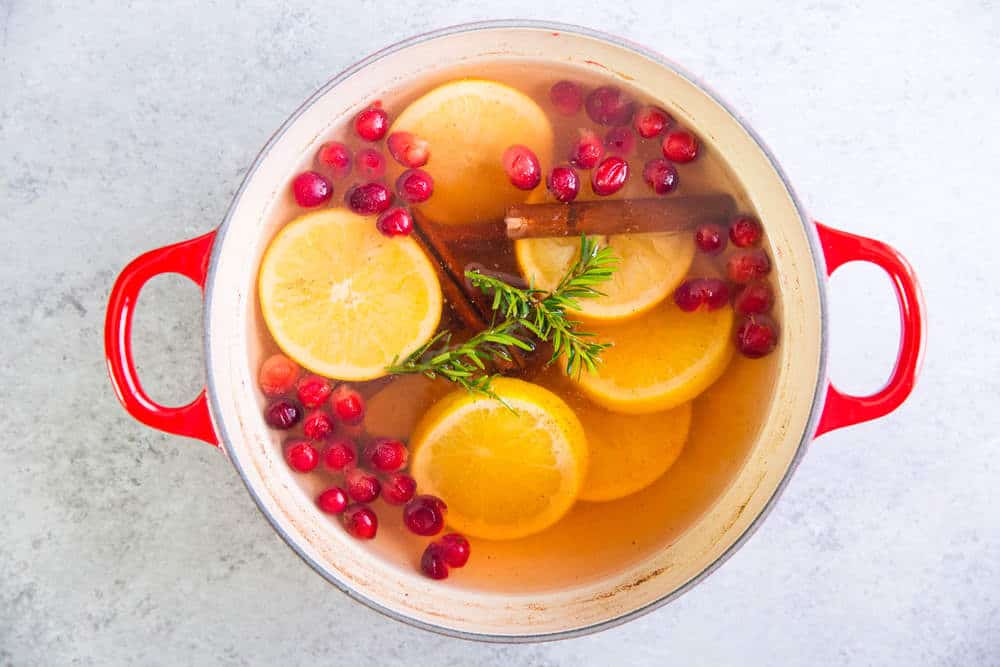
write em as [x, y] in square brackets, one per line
[532, 587]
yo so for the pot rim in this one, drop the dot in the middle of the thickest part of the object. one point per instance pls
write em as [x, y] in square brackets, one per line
[819, 391]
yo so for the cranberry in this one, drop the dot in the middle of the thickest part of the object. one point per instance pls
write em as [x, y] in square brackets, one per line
[312, 390]
[347, 404]
[372, 123]
[710, 239]
[567, 97]
[649, 122]
[371, 164]
[587, 151]
[340, 453]
[361, 486]
[522, 167]
[608, 105]
[408, 149]
[311, 189]
[398, 488]
[395, 222]
[360, 521]
[620, 140]
[680, 146]
[609, 176]
[336, 157]
[748, 265]
[711, 292]
[301, 455]
[424, 515]
[282, 414]
[432, 562]
[754, 299]
[745, 232]
[369, 199]
[332, 501]
[563, 183]
[660, 175]
[756, 336]
[277, 375]
[455, 549]
[317, 425]
[386, 454]
[414, 186]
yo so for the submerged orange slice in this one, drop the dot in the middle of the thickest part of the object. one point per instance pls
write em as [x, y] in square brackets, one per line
[660, 360]
[650, 268]
[503, 474]
[468, 124]
[343, 300]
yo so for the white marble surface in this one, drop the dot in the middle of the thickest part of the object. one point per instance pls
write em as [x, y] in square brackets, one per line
[128, 125]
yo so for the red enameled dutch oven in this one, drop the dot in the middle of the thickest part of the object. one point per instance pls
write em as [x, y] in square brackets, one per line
[501, 601]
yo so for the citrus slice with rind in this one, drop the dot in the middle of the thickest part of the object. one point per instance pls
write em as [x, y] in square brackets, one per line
[343, 300]
[505, 471]
[468, 124]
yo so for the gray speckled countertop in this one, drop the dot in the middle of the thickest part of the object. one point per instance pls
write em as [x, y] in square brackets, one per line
[126, 126]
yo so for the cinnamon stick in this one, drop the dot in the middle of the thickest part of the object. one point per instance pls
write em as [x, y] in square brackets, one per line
[617, 216]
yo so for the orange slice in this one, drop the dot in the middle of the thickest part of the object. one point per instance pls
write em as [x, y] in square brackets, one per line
[503, 474]
[468, 124]
[343, 300]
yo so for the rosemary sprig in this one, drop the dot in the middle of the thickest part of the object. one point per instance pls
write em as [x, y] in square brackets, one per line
[531, 309]
[545, 314]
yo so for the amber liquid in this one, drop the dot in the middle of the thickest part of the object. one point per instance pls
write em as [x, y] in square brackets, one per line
[595, 538]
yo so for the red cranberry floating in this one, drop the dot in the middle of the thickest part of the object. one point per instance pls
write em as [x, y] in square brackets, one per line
[311, 189]
[563, 183]
[361, 486]
[680, 146]
[277, 375]
[432, 562]
[395, 222]
[754, 299]
[522, 167]
[398, 488]
[369, 199]
[567, 97]
[347, 404]
[710, 239]
[332, 501]
[386, 454]
[660, 175]
[748, 265]
[301, 455]
[340, 454]
[312, 390]
[620, 140]
[372, 123]
[371, 164]
[317, 425]
[424, 515]
[587, 151]
[408, 149]
[609, 105]
[756, 336]
[649, 122]
[745, 232]
[282, 414]
[336, 157]
[414, 186]
[455, 549]
[360, 521]
[692, 294]
[609, 176]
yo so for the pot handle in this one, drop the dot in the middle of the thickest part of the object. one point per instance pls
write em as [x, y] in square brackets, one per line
[841, 409]
[188, 258]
